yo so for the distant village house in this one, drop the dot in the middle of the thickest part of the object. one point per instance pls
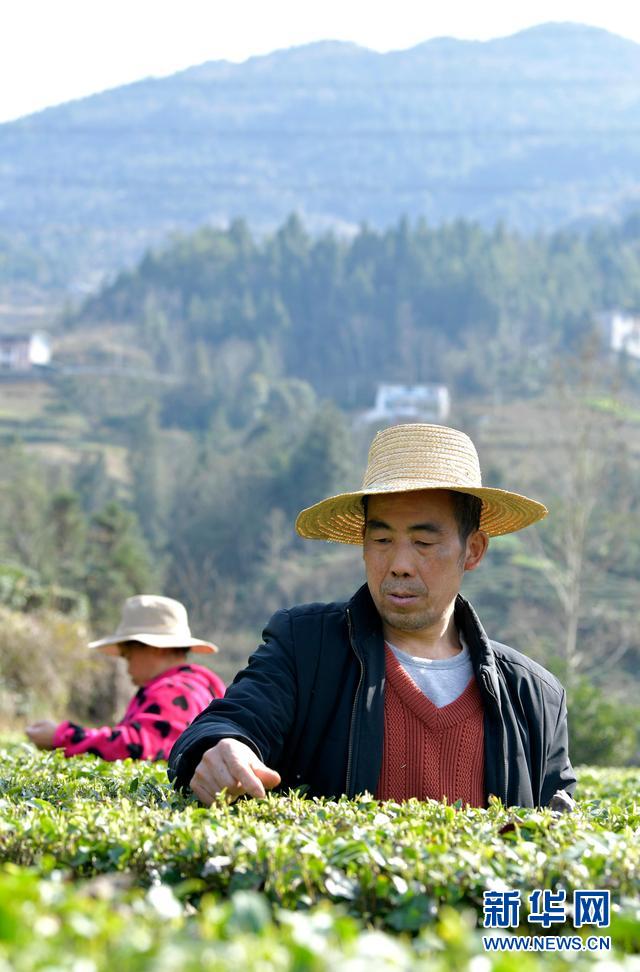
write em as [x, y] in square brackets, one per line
[622, 332]
[23, 352]
[409, 403]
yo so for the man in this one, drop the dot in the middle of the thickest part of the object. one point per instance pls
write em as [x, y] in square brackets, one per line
[399, 691]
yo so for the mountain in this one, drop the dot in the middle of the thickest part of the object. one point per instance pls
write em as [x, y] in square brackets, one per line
[538, 130]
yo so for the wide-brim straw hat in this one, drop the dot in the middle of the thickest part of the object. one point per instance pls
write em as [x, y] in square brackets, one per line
[406, 458]
[153, 620]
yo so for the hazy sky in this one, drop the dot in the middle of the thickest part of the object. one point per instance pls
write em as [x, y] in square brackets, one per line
[55, 50]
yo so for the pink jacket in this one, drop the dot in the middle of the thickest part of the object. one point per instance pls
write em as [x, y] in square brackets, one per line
[157, 714]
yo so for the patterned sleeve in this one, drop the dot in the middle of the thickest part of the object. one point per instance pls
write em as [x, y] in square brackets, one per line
[155, 718]
[135, 739]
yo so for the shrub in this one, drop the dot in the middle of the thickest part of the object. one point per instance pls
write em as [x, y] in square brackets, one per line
[46, 669]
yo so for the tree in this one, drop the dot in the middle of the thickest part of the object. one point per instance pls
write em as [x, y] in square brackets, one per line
[319, 465]
[24, 536]
[145, 460]
[68, 529]
[92, 484]
[118, 565]
[594, 509]
[602, 731]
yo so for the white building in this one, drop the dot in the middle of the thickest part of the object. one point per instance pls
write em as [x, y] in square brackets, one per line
[409, 403]
[22, 352]
[622, 332]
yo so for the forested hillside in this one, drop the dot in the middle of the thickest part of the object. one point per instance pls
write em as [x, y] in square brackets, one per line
[539, 130]
[203, 398]
[459, 304]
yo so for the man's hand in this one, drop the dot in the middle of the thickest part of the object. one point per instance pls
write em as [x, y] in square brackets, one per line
[561, 802]
[232, 766]
[41, 733]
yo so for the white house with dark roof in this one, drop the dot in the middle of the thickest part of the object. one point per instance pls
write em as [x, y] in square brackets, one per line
[409, 403]
[22, 352]
[622, 332]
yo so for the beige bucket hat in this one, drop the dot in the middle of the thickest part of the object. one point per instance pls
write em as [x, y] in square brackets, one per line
[405, 458]
[153, 620]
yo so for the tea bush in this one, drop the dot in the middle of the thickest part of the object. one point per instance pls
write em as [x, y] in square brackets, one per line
[105, 865]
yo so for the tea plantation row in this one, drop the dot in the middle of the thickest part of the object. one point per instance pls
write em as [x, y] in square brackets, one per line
[104, 865]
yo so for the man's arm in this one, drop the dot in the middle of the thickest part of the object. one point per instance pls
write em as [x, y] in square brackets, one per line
[559, 774]
[257, 711]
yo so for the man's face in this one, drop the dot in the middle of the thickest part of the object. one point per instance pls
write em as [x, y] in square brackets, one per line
[414, 558]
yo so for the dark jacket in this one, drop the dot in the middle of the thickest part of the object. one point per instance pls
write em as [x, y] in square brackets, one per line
[310, 703]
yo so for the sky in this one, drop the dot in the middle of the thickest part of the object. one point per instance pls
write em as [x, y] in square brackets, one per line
[52, 51]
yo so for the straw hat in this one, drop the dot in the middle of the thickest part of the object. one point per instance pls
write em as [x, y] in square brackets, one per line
[153, 620]
[412, 457]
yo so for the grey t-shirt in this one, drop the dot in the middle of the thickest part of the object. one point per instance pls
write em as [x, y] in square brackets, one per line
[441, 679]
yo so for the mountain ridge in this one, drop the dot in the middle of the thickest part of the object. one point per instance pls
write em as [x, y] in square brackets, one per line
[538, 129]
[551, 31]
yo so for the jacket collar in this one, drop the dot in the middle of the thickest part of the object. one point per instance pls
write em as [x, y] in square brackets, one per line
[480, 650]
[366, 620]
[368, 631]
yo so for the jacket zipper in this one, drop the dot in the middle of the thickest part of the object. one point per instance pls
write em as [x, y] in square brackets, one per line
[486, 681]
[353, 708]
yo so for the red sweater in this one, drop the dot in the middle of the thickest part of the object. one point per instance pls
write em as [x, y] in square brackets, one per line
[430, 752]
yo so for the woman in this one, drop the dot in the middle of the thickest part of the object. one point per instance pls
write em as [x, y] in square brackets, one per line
[154, 638]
